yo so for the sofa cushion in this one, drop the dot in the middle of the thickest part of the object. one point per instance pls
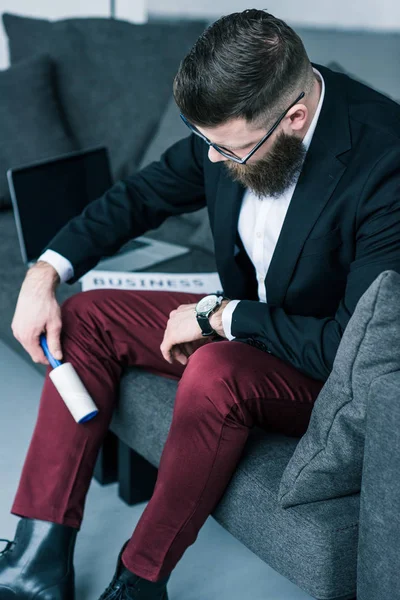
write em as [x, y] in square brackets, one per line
[381, 89]
[114, 77]
[313, 545]
[328, 460]
[170, 129]
[192, 229]
[31, 126]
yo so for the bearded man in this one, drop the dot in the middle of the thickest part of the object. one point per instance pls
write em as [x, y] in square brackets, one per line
[300, 170]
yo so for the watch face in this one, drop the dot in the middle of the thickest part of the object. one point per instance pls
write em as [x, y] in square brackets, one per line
[207, 303]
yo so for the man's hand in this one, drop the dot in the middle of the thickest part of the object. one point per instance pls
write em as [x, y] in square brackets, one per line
[183, 333]
[37, 311]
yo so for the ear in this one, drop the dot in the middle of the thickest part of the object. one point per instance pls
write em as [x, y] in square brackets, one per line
[296, 118]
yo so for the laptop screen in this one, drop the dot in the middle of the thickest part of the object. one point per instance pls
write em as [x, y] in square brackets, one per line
[47, 195]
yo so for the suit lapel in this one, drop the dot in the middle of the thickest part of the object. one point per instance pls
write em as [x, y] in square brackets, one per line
[320, 175]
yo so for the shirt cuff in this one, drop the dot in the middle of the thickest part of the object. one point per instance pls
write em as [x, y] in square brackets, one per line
[227, 318]
[61, 264]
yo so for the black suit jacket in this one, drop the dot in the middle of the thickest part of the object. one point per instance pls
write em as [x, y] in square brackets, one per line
[341, 230]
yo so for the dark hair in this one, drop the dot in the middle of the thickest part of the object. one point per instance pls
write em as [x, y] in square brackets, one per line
[246, 64]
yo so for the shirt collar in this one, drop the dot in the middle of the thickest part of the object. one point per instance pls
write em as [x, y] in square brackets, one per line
[309, 135]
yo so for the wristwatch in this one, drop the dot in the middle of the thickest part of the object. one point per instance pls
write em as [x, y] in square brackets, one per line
[203, 309]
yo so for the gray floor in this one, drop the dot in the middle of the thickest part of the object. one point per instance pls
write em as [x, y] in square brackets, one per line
[216, 567]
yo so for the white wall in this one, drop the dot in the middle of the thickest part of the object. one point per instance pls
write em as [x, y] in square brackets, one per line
[356, 14]
[132, 10]
[350, 14]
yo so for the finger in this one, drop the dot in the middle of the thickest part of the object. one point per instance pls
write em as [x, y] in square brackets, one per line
[35, 351]
[166, 351]
[164, 347]
[179, 355]
[188, 348]
[53, 332]
[30, 343]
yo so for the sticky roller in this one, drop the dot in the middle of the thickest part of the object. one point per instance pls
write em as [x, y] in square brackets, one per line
[70, 387]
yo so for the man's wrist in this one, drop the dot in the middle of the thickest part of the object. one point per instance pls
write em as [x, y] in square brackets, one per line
[44, 273]
[216, 319]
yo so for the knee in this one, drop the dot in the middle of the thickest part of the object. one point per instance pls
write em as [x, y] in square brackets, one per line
[82, 302]
[78, 308]
[207, 380]
[210, 363]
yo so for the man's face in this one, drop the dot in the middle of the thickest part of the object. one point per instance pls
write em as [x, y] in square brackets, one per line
[272, 169]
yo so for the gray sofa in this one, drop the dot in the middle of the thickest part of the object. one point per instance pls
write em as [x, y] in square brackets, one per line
[332, 548]
[314, 545]
[296, 503]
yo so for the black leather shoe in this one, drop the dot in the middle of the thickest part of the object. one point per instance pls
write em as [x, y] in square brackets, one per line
[125, 585]
[38, 564]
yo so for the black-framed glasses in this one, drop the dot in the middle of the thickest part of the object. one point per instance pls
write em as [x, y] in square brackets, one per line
[231, 155]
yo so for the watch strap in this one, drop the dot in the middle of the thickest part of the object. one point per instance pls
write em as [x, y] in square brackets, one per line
[205, 326]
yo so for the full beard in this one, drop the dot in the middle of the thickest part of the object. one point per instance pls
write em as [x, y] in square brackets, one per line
[273, 174]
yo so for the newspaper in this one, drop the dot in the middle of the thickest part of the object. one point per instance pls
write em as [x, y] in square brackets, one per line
[195, 283]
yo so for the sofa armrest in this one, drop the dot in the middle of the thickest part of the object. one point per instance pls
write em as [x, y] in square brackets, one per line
[379, 525]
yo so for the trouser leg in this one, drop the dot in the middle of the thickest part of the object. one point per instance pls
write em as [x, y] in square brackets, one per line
[103, 332]
[226, 388]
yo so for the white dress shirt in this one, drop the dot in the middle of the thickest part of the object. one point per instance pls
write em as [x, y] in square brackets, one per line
[259, 225]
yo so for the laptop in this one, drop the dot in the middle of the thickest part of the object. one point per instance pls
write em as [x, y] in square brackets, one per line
[47, 194]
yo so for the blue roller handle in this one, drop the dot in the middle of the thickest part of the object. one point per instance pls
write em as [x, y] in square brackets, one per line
[53, 361]
[56, 363]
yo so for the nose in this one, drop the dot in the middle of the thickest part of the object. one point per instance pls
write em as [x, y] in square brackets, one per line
[215, 156]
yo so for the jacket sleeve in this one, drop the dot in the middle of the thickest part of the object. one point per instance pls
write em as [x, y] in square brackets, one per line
[310, 344]
[141, 202]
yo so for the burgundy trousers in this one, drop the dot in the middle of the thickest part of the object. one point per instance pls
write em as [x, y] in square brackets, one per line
[224, 389]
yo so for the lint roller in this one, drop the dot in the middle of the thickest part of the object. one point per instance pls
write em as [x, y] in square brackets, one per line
[70, 387]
